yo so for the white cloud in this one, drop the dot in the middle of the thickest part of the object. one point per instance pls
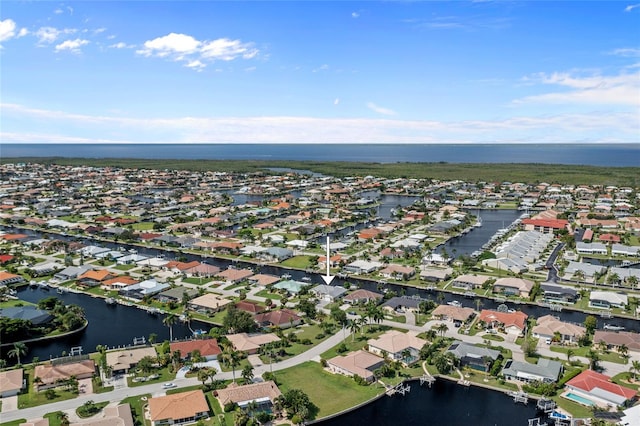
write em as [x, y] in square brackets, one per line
[355, 15]
[23, 32]
[71, 45]
[7, 29]
[336, 101]
[183, 47]
[48, 35]
[622, 89]
[323, 67]
[196, 65]
[121, 45]
[629, 52]
[379, 109]
[58, 11]
[592, 127]
[631, 7]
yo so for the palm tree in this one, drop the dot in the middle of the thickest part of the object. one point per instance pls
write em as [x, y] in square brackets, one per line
[169, 320]
[231, 358]
[570, 353]
[354, 327]
[442, 329]
[593, 359]
[19, 350]
[247, 373]
[406, 354]
[635, 368]
[63, 417]
[187, 318]
[624, 351]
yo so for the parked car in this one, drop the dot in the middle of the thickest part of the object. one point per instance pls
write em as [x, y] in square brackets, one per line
[169, 386]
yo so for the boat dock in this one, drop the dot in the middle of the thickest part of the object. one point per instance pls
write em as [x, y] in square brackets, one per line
[400, 388]
[428, 379]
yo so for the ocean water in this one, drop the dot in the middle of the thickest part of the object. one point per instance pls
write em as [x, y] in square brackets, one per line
[573, 154]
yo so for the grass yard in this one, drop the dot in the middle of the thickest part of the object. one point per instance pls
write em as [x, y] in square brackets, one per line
[15, 422]
[137, 404]
[298, 262]
[582, 351]
[142, 226]
[574, 408]
[331, 393]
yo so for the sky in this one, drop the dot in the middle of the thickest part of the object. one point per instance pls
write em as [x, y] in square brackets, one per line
[320, 72]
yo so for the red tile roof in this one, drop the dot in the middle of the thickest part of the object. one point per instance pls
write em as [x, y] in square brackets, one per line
[208, 347]
[547, 223]
[589, 380]
[517, 319]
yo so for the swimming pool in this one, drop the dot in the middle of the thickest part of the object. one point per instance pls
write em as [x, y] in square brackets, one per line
[579, 399]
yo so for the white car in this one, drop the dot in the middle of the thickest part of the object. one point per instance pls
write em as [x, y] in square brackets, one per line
[169, 385]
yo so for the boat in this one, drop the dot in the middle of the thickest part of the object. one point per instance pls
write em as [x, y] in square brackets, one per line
[285, 276]
[612, 327]
[454, 303]
[110, 301]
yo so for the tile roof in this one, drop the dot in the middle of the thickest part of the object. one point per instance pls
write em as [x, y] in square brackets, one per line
[181, 405]
[207, 347]
[238, 394]
[517, 319]
[589, 380]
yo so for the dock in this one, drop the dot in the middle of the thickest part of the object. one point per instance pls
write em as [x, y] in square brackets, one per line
[400, 388]
[428, 379]
[520, 397]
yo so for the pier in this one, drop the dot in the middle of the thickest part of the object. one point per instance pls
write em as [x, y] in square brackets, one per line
[520, 397]
[400, 388]
[429, 380]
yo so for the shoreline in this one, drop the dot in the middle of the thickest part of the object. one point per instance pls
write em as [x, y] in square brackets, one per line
[39, 339]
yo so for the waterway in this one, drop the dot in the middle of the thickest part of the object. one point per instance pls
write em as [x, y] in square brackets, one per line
[445, 403]
[110, 325]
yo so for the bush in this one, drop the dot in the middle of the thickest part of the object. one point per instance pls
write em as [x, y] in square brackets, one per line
[229, 407]
[306, 341]
[267, 375]
[359, 380]
[342, 348]
[319, 336]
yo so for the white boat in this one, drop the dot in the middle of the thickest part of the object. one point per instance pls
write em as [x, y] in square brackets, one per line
[454, 303]
[612, 327]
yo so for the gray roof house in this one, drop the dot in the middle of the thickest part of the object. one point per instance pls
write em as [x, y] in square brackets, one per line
[72, 272]
[546, 370]
[28, 313]
[328, 292]
[277, 253]
[473, 356]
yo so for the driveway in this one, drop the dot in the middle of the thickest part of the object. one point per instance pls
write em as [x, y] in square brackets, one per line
[9, 403]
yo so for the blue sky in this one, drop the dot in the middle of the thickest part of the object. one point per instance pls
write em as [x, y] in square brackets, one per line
[320, 72]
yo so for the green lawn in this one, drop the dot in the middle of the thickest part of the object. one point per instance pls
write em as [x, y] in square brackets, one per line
[582, 351]
[15, 422]
[137, 404]
[574, 408]
[197, 280]
[298, 262]
[33, 398]
[331, 393]
[142, 226]
[268, 295]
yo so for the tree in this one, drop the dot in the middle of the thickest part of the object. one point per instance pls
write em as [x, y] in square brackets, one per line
[203, 375]
[529, 347]
[297, 404]
[247, 374]
[635, 368]
[19, 350]
[590, 323]
[63, 417]
[153, 337]
[442, 328]
[624, 351]
[146, 364]
[354, 327]
[169, 320]
[231, 358]
[594, 358]
[238, 321]
[570, 353]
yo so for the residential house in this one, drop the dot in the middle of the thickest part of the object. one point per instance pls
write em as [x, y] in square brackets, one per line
[29, 313]
[282, 318]
[263, 280]
[234, 276]
[457, 314]
[398, 272]
[276, 254]
[434, 275]
[118, 283]
[71, 272]
[513, 323]
[473, 356]
[400, 304]
[607, 299]
[398, 346]
[263, 394]
[144, 288]
[11, 382]
[118, 415]
[513, 286]
[178, 408]
[176, 295]
[469, 282]
[362, 267]
[94, 278]
[546, 370]
[208, 348]
[121, 361]
[362, 296]
[616, 339]
[291, 286]
[547, 326]
[51, 374]
[208, 303]
[328, 293]
[559, 294]
[359, 363]
[251, 307]
[596, 389]
[251, 343]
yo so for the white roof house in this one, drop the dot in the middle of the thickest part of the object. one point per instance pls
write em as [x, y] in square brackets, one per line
[607, 299]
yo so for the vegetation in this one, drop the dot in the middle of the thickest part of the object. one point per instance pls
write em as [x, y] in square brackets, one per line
[576, 174]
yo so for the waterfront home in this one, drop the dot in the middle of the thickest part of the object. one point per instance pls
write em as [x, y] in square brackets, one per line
[513, 323]
[263, 395]
[591, 388]
[591, 248]
[546, 370]
[457, 314]
[208, 303]
[276, 254]
[11, 382]
[398, 272]
[359, 363]
[118, 283]
[547, 326]
[282, 318]
[433, 274]
[144, 288]
[29, 313]
[362, 296]
[46, 268]
[544, 225]
[583, 272]
[51, 374]
[251, 307]
[516, 266]
[559, 294]
[290, 286]
[328, 293]
[435, 259]
[398, 346]
[208, 348]
[131, 259]
[251, 343]
[470, 282]
[7, 278]
[94, 278]
[607, 299]
[473, 356]
[202, 270]
[624, 250]
[121, 361]
[400, 304]
[71, 272]
[616, 339]
[176, 295]
[234, 276]
[178, 408]
[263, 280]
[362, 267]
[513, 286]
